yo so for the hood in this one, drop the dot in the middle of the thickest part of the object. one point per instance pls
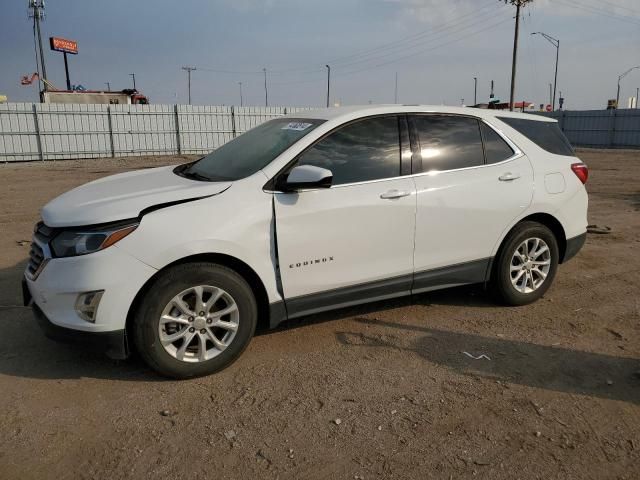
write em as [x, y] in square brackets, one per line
[123, 196]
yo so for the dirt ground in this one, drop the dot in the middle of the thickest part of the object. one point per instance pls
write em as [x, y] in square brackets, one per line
[380, 391]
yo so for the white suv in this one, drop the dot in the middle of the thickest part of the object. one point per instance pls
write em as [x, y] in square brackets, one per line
[302, 214]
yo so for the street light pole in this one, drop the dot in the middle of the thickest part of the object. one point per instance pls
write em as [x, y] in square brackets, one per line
[475, 90]
[395, 91]
[620, 78]
[556, 43]
[188, 70]
[328, 84]
[266, 93]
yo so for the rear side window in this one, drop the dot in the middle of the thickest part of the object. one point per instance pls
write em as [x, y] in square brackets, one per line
[448, 142]
[365, 150]
[495, 148]
[547, 135]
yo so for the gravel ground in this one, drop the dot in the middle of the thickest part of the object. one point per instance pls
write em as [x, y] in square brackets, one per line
[380, 391]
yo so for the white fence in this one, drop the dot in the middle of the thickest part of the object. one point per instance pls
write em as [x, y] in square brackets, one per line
[33, 131]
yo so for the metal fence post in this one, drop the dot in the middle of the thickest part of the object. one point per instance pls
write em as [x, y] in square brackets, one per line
[110, 122]
[177, 117]
[37, 125]
[233, 121]
[612, 126]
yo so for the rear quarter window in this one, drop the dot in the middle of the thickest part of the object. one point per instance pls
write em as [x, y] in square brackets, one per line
[547, 135]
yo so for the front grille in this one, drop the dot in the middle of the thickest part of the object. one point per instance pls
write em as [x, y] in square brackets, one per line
[38, 255]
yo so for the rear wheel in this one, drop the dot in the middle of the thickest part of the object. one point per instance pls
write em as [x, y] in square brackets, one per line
[195, 319]
[526, 264]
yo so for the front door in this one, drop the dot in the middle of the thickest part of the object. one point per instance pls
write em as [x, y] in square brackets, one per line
[352, 242]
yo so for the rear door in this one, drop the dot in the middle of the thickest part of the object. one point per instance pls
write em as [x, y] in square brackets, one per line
[354, 241]
[468, 193]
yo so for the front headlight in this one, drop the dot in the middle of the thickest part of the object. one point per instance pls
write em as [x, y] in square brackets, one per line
[69, 243]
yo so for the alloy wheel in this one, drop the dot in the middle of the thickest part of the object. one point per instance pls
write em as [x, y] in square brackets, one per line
[198, 323]
[530, 265]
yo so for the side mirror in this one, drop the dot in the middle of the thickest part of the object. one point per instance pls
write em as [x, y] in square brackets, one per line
[306, 176]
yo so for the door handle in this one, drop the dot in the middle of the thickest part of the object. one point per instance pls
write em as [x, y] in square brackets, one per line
[508, 177]
[391, 194]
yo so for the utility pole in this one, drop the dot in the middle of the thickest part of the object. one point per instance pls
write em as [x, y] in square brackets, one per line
[108, 86]
[328, 84]
[36, 11]
[620, 78]
[241, 103]
[266, 92]
[550, 98]
[395, 96]
[475, 90]
[188, 70]
[133, 75]
[518, 4]
[556, 43]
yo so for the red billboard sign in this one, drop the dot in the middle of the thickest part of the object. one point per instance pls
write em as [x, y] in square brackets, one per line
[63, 45]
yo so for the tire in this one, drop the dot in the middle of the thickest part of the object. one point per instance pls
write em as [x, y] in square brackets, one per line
[527, 274]
[172, 296]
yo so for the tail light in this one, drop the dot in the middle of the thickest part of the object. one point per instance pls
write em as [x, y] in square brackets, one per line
[581, 171]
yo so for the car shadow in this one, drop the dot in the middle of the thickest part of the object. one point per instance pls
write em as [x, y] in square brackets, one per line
[26, 352]
[539, 366]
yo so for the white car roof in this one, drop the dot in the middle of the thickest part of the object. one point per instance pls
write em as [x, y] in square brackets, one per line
[357, 111]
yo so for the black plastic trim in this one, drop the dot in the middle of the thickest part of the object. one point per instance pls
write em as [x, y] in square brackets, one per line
[477, 271]
[347, 296]
[405, 144]
[574, 245]
[277, 314]
[113, 344]
[460, 274]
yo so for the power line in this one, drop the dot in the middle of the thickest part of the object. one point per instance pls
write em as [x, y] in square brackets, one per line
[374, 52]
[436, 34]
[435, 47]
[615, 5]
[594, 10]
[404, 57]
[471, 18]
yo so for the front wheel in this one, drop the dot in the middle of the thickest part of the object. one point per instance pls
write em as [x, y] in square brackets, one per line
[526, 264]
[194, 320]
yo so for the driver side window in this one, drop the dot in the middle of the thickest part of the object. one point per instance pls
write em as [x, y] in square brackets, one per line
[365, 150]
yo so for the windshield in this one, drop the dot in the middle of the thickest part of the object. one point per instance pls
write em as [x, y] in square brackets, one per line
[251, 151]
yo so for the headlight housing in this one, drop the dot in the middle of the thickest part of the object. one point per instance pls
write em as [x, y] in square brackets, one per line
[73, 242]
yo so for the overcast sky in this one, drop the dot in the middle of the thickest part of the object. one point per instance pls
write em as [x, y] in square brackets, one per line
[435, 46]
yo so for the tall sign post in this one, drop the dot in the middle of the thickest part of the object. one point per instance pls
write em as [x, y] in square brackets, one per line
[65, 46]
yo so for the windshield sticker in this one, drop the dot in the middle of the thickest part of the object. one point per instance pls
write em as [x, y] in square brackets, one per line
[297, 126]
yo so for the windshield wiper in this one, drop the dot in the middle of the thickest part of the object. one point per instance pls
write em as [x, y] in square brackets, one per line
[194, 175]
